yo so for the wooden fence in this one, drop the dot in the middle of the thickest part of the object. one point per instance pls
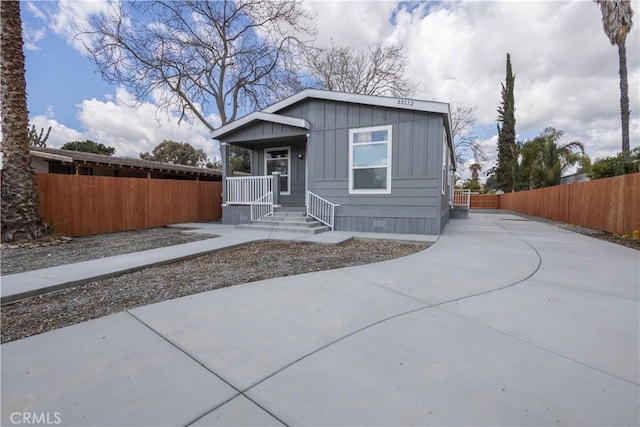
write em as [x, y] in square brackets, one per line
[609, 204]
[77, 205]
[485, 201]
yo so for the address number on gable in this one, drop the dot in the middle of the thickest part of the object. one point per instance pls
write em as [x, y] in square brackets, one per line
[405, 102]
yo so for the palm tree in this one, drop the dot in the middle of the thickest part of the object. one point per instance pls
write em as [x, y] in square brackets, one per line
[20, 216]
[475, 168]
[543, 159]
[617, 21]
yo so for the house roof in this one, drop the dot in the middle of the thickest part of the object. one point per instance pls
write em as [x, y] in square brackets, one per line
[269, 114]
[260, 116]
[69, 156]
[354, 98]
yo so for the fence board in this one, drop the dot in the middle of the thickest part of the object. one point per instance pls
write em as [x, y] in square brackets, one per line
[78, 205]
[485, 201]
[609, 204]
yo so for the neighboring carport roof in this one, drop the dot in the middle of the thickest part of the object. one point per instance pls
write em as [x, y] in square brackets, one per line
[91, 159]
[259, 116]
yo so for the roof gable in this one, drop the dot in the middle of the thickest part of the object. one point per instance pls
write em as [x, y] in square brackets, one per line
[259, 116]
[380, 101]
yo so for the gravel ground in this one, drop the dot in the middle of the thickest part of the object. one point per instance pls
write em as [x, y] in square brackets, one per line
[252, 262]
[60, 252]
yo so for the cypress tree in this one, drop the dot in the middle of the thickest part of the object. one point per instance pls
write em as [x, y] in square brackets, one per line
[506, 171]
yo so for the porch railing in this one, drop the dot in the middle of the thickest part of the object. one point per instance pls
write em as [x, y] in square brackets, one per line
[262, 206]
[461, 197]
[321, 209]
[245, 190]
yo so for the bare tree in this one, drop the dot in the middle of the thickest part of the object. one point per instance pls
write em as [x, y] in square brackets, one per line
[379, 70]
[464, 142]
[206, 59]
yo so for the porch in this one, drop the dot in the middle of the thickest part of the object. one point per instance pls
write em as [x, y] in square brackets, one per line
[460, 202]
[257, 201]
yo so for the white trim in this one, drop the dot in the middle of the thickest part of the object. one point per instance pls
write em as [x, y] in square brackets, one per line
[321, 209]
[445, 152]
[306, 168]
[260, 115]
[266, 150]
[382, 101]
[389, 142]
[51, 156]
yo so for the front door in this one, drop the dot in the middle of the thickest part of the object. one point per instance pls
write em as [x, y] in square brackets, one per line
[279, 160]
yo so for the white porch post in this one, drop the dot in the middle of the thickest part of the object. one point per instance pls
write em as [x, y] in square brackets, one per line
[276, 189]
[226, 171]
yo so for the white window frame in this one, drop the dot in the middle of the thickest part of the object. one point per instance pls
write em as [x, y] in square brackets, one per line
[267, 150]
[389, 143]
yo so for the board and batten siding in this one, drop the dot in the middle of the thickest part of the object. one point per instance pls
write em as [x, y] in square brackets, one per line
[297, 172]
[415, 202]
[262, 131]
[233, 215]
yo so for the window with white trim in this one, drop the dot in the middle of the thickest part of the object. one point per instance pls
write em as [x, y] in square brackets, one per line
[279, 160]
[370, 160]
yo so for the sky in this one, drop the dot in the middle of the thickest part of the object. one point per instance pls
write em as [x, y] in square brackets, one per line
[566, 70]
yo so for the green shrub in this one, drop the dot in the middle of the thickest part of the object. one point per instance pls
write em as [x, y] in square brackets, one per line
[616, 165]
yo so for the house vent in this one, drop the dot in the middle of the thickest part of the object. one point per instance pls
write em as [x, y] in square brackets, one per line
[379, 223]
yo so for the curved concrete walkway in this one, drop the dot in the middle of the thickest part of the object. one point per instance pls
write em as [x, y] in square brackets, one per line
[502, 322]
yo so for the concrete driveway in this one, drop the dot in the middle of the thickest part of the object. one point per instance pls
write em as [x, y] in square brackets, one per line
[503, 321]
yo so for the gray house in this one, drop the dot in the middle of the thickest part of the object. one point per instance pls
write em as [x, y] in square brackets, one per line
[353, 162]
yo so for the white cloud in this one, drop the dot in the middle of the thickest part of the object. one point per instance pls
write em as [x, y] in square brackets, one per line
[351, 23]
[36, 11]
[131, 130]
[60, 134]
[566, 70]
[72, 16]
[31, 37]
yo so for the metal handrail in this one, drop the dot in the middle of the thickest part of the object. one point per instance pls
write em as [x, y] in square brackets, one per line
[247, 189]
[461, 197]
[262, 207]
[321, 209]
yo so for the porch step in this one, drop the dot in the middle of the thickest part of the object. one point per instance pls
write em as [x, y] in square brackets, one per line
[289, 212]
[258, 225]
[459, 212]
[288, 220]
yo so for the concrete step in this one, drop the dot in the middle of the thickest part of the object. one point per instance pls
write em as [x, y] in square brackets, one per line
[460, 212]
[302, 222]
[288, 218]
[297, 213]
[284, 229]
